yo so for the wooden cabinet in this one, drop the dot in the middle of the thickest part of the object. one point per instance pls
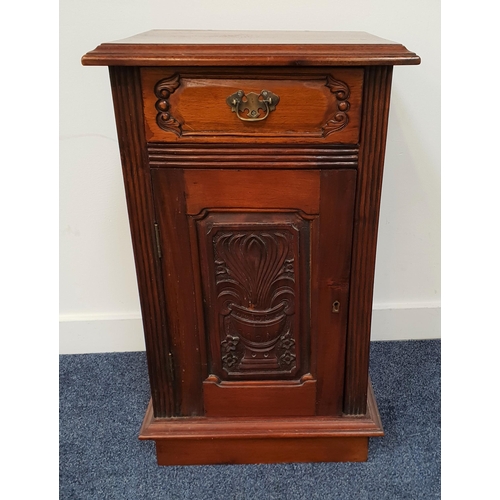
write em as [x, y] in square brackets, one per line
[253, 166]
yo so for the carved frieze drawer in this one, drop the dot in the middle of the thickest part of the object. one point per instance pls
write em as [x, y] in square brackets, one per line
[283, 106]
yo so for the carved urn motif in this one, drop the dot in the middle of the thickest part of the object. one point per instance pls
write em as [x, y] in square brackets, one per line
[259, 332]
[255, 278]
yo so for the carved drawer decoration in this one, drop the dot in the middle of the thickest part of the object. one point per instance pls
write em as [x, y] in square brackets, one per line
[340, 118]
[257, 329]
[163, 89]
[314, 106]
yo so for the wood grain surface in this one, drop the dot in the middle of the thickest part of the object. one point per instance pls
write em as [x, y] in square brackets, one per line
[255, 242]
[263, 440]
[125, 85]
[369, 188]
[306, 110]
[241, 48]
[286, 157]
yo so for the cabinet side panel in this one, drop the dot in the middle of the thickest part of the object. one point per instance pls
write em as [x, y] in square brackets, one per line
[374, 119]
[126, 88]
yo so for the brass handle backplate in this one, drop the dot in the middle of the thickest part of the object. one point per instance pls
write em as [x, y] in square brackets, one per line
[265, 101]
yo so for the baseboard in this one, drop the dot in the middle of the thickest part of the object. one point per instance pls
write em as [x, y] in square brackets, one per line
[406, 322]
[84, 334]
[81, 334]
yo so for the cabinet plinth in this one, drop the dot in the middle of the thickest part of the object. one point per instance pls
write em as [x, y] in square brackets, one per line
[253, 166]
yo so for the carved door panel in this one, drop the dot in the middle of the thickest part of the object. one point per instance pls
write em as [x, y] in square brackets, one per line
[259, 289]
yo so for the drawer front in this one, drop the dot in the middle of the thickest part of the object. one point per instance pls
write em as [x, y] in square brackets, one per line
[317, 106]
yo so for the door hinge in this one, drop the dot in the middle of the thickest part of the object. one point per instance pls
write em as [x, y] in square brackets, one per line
[157, 236]
[171, 366]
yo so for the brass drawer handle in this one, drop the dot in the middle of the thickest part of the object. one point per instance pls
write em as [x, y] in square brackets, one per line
[239, 102]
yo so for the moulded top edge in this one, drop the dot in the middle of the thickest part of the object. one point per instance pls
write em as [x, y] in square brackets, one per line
[253, 48]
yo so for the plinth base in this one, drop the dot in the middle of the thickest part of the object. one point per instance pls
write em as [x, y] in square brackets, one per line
[203, 441]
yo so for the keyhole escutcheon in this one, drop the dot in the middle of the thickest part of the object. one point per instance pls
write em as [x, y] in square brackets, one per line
[336, 306]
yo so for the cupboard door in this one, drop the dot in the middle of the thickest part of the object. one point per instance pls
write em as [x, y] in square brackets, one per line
[256, 288]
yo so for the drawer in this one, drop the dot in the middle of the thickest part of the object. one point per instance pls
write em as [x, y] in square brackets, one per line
[297, 106]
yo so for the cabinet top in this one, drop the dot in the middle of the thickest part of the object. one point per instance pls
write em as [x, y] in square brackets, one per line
[250, 48]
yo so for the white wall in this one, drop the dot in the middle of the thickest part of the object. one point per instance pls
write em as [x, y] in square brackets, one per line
[98, 293]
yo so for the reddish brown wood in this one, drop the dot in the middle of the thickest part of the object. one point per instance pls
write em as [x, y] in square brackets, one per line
[255, 242]
[166, 155]
[255, 268]
[125, 85]
[367, 425]
[252, 190]
[262, 440]
[331, 276]
[321, 107]
[254, 48]
[255, 262]
[260, 398]
[369, 187]
[180, 290]
[262, 451]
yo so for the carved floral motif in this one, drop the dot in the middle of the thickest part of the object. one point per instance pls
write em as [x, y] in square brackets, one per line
[229, 356]
[286, 350]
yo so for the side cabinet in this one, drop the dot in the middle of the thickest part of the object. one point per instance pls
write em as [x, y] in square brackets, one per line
[253, 188]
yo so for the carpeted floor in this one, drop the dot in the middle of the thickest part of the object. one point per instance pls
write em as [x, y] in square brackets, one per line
[102, 402]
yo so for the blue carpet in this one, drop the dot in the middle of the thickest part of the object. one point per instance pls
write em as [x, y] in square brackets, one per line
[103, 398]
